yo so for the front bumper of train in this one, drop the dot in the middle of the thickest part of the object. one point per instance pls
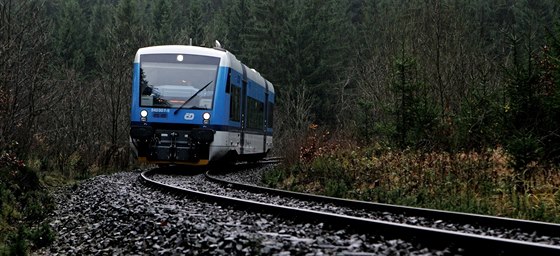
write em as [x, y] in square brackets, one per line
[163, 146]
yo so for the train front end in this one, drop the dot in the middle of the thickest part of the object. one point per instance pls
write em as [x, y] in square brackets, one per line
[173, 103]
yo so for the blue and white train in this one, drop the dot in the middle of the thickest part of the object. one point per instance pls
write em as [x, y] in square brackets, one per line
[195, 105]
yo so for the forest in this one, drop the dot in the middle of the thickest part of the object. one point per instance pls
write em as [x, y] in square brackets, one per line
[430, 75]
[355, 79]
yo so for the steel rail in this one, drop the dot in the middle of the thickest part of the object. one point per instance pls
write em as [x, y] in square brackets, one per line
[270, 160]
[542, 228]
[433, 238]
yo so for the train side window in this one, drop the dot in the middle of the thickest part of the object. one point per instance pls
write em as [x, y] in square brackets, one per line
[255, 114]
[228, 82]
[235, 104]
[270, 117]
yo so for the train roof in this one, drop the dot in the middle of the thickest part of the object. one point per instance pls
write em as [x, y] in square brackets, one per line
[227, 59]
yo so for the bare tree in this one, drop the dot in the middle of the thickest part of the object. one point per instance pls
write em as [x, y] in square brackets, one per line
[25, 89]
[292, 118]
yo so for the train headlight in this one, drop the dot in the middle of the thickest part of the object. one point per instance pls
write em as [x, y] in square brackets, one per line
[144, 115]
[206, 117]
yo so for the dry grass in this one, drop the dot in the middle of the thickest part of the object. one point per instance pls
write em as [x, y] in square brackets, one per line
[478, 182]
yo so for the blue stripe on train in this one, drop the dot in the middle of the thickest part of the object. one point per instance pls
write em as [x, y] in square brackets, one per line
[220, 128]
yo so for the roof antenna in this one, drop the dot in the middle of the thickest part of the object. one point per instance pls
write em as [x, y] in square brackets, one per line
[217, 44]
[190, 41]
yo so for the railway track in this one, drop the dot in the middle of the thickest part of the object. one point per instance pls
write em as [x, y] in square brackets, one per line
[464, 243]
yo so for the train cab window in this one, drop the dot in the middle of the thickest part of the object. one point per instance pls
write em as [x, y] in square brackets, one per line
[169, 80]
[235, 104]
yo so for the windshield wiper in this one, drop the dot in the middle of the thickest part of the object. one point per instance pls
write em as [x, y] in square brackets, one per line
[192, 97]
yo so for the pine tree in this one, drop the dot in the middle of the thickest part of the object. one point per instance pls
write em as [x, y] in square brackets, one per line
[163, 20]
[230, 26]
[70, 41]
[196, 22]
[97, 43]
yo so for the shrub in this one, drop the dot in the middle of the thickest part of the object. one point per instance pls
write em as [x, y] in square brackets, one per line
[477, 182]
[23, 203]
[42, 235]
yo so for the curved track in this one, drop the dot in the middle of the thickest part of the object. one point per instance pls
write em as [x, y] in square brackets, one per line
[437, 238]
[540, 228]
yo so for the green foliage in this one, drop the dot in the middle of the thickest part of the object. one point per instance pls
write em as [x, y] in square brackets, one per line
[480, 122]
[26, 238]
[332, 174]
[525, 149]
[37, 204]
[163, 22]
[336, 188]
[366, 121]
[230, 26]
[415, 117]
[23, 203]
[535, 110]
[273, 177]
[42, 235]
[19, 245]
[69, 37]
[283, 175]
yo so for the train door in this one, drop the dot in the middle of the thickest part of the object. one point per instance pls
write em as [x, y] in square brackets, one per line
[265, 115]
[243, 109]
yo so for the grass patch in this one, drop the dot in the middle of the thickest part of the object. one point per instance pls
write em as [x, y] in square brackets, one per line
[475, 182]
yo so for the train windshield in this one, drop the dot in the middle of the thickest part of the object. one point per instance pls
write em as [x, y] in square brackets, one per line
[169, 80]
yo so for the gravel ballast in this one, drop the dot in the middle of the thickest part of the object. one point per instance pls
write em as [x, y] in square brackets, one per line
[116, 214]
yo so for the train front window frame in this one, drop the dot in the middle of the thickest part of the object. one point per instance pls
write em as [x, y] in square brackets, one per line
[167, 81]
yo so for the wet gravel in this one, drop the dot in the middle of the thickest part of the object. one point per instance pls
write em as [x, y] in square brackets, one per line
[116, 215]
[253, 176]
